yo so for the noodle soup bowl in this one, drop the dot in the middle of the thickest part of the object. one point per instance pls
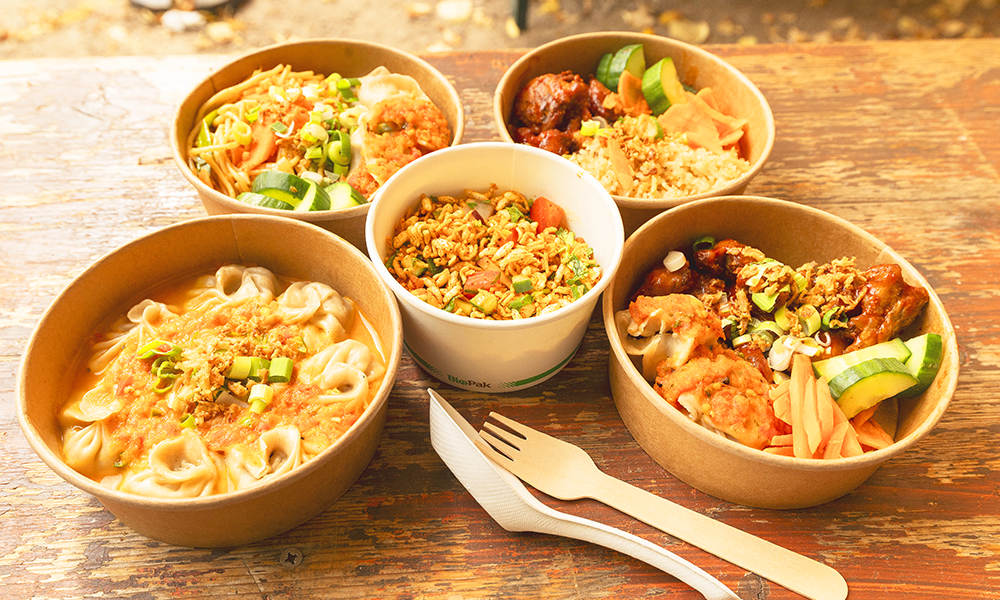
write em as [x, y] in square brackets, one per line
[496, 355]
[350, 58]
[736, 94]
[793, 234]
[124, 277]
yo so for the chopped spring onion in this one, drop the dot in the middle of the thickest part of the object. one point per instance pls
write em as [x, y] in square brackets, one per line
[279, 127]
[764, 301]
[784, 317]
[809, 318]
[240, 369]
[742, 339]
[704, 243]
[241, 133]
[188, 421]
[674, 261]
[257, 365]
[281, 370]
[521, 301]
[830, 320]
[260, 396]
[157, 348]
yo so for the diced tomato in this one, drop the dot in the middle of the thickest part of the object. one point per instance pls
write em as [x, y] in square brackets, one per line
[511, 237]
[479, 280]
[546, 213]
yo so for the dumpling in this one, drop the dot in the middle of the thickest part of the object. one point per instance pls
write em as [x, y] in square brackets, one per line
[145, 316]
[90, 450]
[343, 371]
[380, 84]
[278, 451]
[234, 283]
[181, 467]
[318, 305]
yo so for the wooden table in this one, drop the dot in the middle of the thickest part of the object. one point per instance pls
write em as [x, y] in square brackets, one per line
[898, 137]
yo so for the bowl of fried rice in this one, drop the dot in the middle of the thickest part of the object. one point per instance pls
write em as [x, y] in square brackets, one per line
[733, 397]
[710, 138]
[497, 254]
[309, 129]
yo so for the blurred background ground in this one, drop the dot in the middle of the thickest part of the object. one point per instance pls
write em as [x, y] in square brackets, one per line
[71, 28]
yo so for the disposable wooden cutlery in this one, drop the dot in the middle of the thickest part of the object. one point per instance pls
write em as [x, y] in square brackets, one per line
[567, 472]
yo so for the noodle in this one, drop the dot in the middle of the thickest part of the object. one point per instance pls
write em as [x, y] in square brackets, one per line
[303, 123]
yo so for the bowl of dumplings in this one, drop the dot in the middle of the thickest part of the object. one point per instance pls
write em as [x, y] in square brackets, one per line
[224, 396]
[309, 130]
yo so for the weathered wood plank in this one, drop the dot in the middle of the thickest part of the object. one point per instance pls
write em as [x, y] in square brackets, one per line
[897, 137]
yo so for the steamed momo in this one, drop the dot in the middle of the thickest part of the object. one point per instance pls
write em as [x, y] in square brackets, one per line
[218, 384]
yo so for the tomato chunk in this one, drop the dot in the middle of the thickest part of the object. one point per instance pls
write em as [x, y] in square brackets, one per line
[478, 280]
[546, 213]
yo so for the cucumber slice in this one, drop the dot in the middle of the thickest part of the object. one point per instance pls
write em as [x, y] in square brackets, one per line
[924, 362]
[629, 58]
[315, 198]
[832, 367]
[279, 180]
[343, 195]
[661, 86]
[602, 68]
[265, 201]
[865, 384]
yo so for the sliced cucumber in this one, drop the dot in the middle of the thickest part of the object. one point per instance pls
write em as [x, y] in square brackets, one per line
[315, 198]
[924, 362]
[661, 86]
[865, 384]
[343, 195]
[831, 367]
[602, 68]
[629, 58]
[279, 180]
[265, 201]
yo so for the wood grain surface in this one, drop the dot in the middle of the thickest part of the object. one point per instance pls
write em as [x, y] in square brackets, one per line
[900, 138]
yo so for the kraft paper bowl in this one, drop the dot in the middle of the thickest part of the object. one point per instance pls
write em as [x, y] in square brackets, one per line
[738, 97]
[714, 464]
[350, 58]
[496, 356]
[123, 277]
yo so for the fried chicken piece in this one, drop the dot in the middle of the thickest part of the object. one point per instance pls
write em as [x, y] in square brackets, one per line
[551, 101]
[725, 259]
[724, 392]
[888, 307]
[661, 282]
[552, 140]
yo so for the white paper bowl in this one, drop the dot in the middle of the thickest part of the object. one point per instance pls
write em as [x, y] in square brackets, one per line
[496, 356]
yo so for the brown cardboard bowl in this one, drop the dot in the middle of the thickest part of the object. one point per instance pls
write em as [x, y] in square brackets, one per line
[123, 277]
[793, 234]
[350, 58]
[738, 97]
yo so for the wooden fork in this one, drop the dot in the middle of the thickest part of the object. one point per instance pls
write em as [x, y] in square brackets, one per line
[567, 472]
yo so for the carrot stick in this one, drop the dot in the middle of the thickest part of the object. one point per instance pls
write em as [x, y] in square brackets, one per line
[810, 416]
[801, 376]
[824, 408]
[784, 439]
[780, 450]
[836, 441]
[782, 407]
[864, 415]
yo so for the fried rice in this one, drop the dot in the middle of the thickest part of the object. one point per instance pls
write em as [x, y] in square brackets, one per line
[635, 159]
